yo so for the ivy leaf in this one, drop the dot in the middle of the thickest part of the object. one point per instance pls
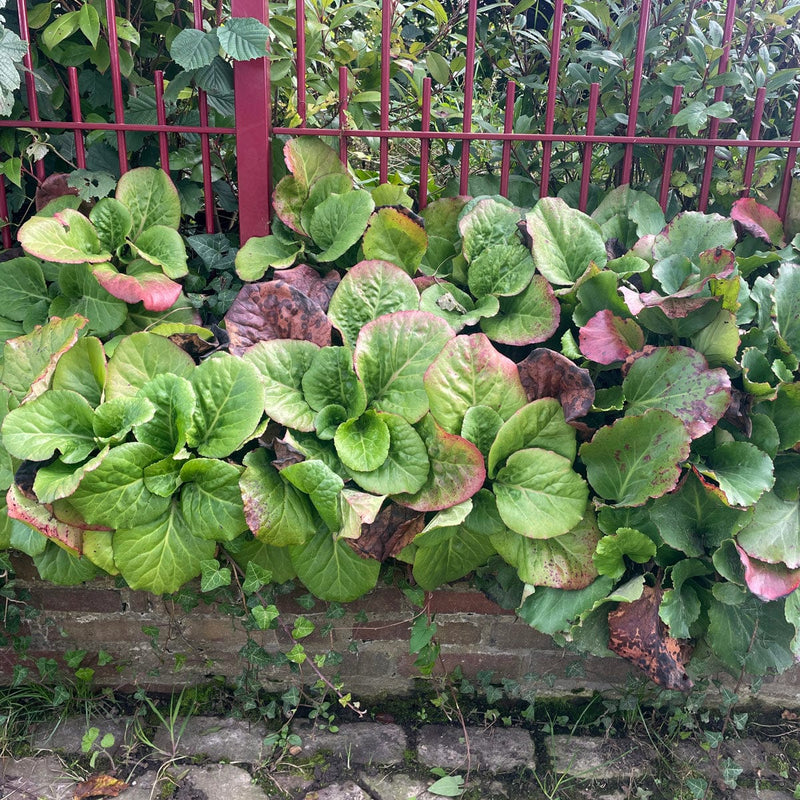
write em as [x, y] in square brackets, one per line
[212, 576]
[469, 372]
[539, 494]
[637, 457]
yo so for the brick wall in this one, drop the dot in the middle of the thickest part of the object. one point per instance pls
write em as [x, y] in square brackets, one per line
[196, 646]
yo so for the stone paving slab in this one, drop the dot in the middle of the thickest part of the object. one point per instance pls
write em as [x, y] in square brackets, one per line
[339, 791]
[34, 778]
[496, 750]
[356, 743]
[599, 759]
[218, 782]
[66, 736]
[218, 739]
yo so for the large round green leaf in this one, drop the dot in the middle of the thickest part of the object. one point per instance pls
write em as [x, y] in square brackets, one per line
[83, 370]
[391, 356]
[331, 380]
[281, 363]
[81, 293]
[321, 484]
[369, 290]
[67, 238]
[175, 402]
[22, 287]
[211, 502]
[163, 555]
[678, 380]
[230, 403]
[486, 222]
[362, 443]
[637, 457]
[470, 372]
[526, 318]
[395, 237]
[339, 222]
[331, 570]
[502, 269]
[564, 241]
[539, 494]
[743, 471]
[539, 424]
[773, 534]
[163, 247]
[140, 358]
[448, 554]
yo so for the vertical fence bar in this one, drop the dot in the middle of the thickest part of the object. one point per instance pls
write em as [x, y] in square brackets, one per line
[75, 108]
[755, 129]
[205, 143]
[253, 132]
[116, 84]
[586, 169]
[719, 93]
[425, 144]
[666, 173]
[4, 216]
[469, 84]
[300, 69]
[508, 127]
[387, 8]
[30, 81]
[552, 88]
[791, 160]
[636, 89]
[161, 115]
[343, 115]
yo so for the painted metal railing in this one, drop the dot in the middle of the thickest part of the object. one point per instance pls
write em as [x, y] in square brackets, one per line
[255, 110]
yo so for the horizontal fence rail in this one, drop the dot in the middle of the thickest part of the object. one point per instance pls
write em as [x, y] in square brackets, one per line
[264, 112]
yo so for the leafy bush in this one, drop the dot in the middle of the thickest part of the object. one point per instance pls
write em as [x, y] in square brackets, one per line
[608, 404]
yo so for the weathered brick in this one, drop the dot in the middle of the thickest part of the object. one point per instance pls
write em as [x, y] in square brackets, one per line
[470, 663]
[511, 633]
[455, 601]
[75, 598]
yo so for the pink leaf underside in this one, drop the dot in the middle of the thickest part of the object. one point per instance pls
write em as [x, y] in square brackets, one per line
[606, 338]
[768, 581]
[41, 518]
[758, 220]
[154, 290]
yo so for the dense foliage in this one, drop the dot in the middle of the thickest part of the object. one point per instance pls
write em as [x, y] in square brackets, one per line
[606, 406]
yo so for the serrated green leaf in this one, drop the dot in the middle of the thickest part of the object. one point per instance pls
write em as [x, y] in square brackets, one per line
[742, 471]
[244, 38]
[192, 49]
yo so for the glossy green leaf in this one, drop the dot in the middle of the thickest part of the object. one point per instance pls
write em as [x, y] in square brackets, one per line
[773, 533]
[742, 471]
[163, 555]
[391, 356]
[58, 480]
[447, 301]
[151, 198]
[784, 411]
[362, 443]
[406, 466]
[276, 512]
[163, 247]
[637, 457]
[787, 305]
[230, 403]
[67, 237]
[141, 357]
[211, 502]
[339, 222]
[485, 222]
[538, 424]
[626, 215]
[259, 253]
[565, 241]
[309, 159]
[112, 221]
[164, 477]
[58, 420]
[678, 380]
[81, 293]
[480, 426]
[526, 318]
[174, 400]
[539, 494]
[502, 269]
[369, 290]
[82, 369]
[331, 380]
[395, 237]
[22, 287]
[114, 419]
[244, 38]
[322, 485]
[470, 372]
[691, 233]
[449, 554]
[115, 494]
[609, 558]
[680, 606]
[62, 568]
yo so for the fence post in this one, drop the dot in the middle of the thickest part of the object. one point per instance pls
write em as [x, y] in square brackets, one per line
[253, 131]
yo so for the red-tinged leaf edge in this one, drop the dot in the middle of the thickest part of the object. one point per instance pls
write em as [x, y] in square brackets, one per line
[768, 581]
[41, 518]
[154, 290]
[758, 220]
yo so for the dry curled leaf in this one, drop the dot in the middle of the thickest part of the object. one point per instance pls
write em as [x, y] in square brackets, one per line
[637, 634]
[307, 280]
[394, 528]
[99, 786]
[545, 373]
[51, 188]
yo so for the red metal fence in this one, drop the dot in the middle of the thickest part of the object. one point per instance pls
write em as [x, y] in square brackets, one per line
[255, 123]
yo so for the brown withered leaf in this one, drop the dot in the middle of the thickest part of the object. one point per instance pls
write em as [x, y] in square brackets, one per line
[316, 287]
[285, 454]
[637, 633]
[99, 786]
[193, 344]
[738, 412]
[545, 373]
[393, 529]
[51, 188]
[274, 310]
